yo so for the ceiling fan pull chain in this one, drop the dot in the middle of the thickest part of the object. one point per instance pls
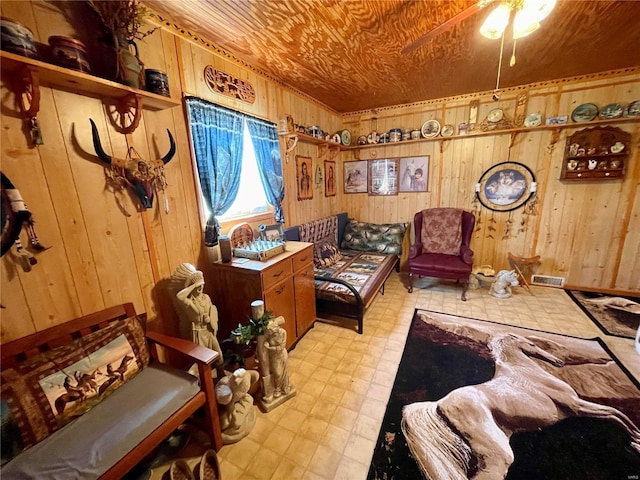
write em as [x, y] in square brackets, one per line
[499, 65]
[513, 54]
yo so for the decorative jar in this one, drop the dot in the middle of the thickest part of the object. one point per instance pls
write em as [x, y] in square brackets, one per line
[156, 82]
[69, 53]
[18, 39]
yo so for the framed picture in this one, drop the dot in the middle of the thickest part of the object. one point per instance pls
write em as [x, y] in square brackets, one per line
[355, 177]
[329, 178]
[383, 176]
[304, 165]
[414, 172]
[271, 232]
[505, 186]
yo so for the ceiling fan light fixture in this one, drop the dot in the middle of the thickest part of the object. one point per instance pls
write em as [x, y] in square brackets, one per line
[538, 10]
[495, 24]
[524, 24]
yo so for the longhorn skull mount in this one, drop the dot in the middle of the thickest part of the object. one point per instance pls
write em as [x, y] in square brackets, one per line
[143, 176]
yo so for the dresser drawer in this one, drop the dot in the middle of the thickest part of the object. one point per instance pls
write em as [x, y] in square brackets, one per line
[302, 259]
[276, 273]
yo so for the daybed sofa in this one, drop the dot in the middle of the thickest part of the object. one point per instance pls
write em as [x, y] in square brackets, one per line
[90, 399]
[352, 262]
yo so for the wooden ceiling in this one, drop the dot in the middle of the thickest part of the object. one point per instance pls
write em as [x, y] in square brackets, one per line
[347, 53]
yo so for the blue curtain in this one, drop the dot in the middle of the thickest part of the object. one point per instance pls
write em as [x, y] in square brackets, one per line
[217, 140]
[267, 148]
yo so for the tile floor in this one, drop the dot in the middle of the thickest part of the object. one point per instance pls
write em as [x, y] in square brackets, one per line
[328, 431]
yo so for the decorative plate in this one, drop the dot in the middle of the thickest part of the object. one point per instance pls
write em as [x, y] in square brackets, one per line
[584, 113]
[633, 109]
[430, 128]
[533, 120]
[345, 135]
[613, 110]
[447, 131]
[495, 115]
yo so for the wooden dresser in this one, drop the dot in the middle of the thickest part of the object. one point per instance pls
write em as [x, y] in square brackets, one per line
[285, 283]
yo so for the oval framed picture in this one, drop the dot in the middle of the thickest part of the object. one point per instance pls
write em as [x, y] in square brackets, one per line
[505, 186]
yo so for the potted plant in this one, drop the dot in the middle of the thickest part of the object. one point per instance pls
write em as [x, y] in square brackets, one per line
[122, 21]
[241, 344]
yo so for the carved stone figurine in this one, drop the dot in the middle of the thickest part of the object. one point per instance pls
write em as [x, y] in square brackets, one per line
[505, 279]
[238, 416]
[273, 361]
[198, 315]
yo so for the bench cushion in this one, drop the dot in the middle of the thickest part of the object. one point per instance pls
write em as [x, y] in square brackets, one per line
[91, 444]
[51, 389]
[372, 237]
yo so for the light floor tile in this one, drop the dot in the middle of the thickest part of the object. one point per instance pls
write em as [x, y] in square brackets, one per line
[329, 430]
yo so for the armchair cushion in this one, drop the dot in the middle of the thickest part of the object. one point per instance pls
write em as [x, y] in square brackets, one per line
[441, 231]
[432, 264]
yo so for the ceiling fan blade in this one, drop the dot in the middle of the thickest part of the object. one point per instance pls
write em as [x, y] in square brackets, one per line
[459, 17]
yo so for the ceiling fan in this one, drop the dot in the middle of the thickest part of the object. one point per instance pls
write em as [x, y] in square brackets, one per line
[524, 14]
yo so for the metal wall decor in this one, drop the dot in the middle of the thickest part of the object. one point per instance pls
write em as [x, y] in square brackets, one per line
[221, 82]
[506, 186]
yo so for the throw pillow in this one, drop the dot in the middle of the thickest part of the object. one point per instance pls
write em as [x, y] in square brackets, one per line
[372, 237]
[47, 391]
[441, 231]
[326, 254]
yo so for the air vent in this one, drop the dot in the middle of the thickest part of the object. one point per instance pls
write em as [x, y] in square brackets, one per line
[547, 281]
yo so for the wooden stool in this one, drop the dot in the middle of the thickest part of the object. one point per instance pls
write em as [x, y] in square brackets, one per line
[525, 267]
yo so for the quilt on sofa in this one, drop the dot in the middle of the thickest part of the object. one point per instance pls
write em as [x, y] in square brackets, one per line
[367, 254]
[360, 269]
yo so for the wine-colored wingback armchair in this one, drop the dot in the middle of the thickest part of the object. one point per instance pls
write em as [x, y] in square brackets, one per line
[441, 249]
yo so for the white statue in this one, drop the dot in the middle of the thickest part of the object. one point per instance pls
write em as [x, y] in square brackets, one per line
[238, 415]
[505, 279]
[198, 315]
[273, 360]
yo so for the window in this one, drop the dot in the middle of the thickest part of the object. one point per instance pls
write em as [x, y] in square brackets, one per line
[251, 199]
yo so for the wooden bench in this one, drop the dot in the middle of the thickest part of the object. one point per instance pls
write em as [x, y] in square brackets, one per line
[54, 449]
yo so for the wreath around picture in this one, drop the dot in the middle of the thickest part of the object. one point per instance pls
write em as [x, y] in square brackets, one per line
[506, 186]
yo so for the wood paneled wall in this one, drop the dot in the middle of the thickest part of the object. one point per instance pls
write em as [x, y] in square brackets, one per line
[586, 232]
[104, 251]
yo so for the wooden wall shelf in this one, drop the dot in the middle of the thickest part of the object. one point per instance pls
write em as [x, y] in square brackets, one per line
[291, 139]
[590, 154]
[510, 131]
[80, 82]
